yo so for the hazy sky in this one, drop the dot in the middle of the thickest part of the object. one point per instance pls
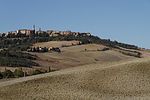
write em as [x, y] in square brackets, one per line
[123, 20]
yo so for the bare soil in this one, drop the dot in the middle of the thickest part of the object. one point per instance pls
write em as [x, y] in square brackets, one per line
[117, 80]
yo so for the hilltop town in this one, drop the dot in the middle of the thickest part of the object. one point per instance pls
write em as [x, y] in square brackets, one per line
[33, 33]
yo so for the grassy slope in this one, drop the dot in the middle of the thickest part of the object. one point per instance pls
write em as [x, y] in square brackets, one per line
[73, 56]
[55, 43]
[116, 80]
[76, 56]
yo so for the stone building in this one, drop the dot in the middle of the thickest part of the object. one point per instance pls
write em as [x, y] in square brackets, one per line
[26, 32]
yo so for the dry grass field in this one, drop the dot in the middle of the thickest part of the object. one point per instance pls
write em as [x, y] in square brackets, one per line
[128, 80]
[72, 56]
[55, 43]
[76, 55]
[91, 74]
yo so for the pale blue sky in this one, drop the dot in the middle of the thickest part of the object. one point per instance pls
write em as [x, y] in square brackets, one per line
[123, 20]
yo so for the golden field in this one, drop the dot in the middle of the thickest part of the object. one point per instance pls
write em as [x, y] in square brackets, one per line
[83, 75]
[76, 55]
[118, 80]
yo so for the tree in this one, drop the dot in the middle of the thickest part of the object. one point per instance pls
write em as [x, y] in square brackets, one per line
[49, 69]
[8, 74]
[1, 76]
[18, 73]
[35, 72]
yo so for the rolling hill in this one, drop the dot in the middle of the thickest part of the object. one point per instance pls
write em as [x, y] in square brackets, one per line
[72, 56]
[84, 72]
[114, 80]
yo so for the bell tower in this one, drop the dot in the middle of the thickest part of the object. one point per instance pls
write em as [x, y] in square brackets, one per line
[34, 28]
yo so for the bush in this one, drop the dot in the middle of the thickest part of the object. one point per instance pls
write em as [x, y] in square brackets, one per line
[1, 76]
[35, 72]
[104, 49]
[49, 69]
[18, 73]
[8, 74]
[17, 59]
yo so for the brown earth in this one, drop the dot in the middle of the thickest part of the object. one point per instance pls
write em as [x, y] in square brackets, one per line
[116, 80]
[55, 43]
[76, 56]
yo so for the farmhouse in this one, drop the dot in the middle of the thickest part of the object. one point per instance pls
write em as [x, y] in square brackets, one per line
[44, 49]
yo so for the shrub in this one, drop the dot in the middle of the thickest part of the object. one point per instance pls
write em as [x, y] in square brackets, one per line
[17, 59]
[8, 74]
[105, 49]
[1, 76]
[65, 45]
[35, 72]
[18, 73]
[49, 69]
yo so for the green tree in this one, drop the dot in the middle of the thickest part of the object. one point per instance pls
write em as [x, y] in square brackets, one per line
[35, 72]
[18, 73]
[8, 74]
[1, 76]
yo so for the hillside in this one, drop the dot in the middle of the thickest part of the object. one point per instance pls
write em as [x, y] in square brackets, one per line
[82, 71]
[65, 59]
[76, 55]
[55, 43]
[121, 80]
[72, 55]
